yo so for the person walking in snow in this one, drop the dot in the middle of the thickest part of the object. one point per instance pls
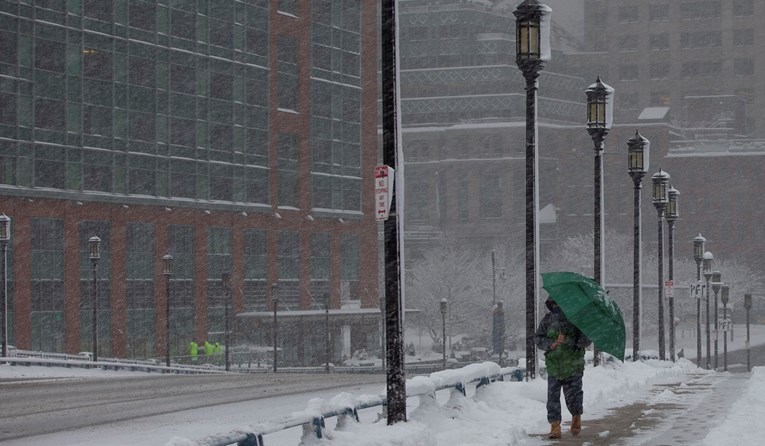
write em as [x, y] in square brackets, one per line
[564, 347]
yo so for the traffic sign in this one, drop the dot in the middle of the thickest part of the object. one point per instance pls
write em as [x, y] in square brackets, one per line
[669, 285]
[384, 177]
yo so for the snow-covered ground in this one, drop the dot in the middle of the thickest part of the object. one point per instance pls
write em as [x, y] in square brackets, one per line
[504, 413]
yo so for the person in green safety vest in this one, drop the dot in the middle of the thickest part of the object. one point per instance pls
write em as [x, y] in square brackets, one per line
[194, 351]
[208, 350]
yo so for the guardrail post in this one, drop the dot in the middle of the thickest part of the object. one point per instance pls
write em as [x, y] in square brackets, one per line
[252, 440]
[461, 388]
[342, 419]
[485, 381]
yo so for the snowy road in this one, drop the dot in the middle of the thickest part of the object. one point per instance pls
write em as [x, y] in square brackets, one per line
[130, 411]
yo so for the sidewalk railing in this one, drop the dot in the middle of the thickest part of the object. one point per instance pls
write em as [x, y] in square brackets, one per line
[346, 407]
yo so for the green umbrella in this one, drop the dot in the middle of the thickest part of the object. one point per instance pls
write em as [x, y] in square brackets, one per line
[586, 305]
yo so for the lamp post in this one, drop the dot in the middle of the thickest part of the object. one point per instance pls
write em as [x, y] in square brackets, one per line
[94, 249]
[747, 306]
[724, 291]
[497, 313]
[638, 149]
[326, 333]
[671, 215]
[707, 266]
[600, 100]
[698, 256]
[5, 236]
[716, 284]
[225, 280]
[532, 38]
[275, 303]
[167, 270]
[443, 327]
[660, 200]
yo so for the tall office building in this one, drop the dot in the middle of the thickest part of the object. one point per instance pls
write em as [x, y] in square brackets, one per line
[234, 135]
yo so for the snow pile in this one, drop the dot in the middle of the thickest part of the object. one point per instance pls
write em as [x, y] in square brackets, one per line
[744, 421]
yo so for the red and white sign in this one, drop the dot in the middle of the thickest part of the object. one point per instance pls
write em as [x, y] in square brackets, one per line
[669, 286]
[384, 176]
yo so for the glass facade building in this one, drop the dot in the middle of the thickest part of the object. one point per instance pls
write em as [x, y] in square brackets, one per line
[225, 132]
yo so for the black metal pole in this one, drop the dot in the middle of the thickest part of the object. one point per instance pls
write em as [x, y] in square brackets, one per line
[4, 289]
[326, 333]
[725, 337]
[94, 316]
[698, 313]
[671, 297]
[395, 376]
[637, 290]
[275, 302]
[226, 329]
[748, 362]
[443, 327]
[709, 364]
[661, 286]
[597, 138]
[167, 320]
[531, 73]
[716, 329]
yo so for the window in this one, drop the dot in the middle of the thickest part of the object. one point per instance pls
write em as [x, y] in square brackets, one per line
[50, 114]
[96, 177]
[659, 41]
[288, 180]
[743, 67]
[628, 72]
[97, 64]
[257, 185]
[700, 39]
[289, 255]
[418, 198]
[139, 252]
[490, 196]
[658, 12]
[142, 175]
[701, 69]
[221, 33]
[221, 137]
[7, 109]
[142, 15]
[143, 127]
[8, 47]
[221, 182]
[349, 257]
[221, 86]
[49, 173]
[463, 199]
[628, 14]
[97, 120]
[700, 10]
[142, 72]
[320, 256]
[183, 79]
[743, 37]
[287, 72]
[50, 55]
[743, 8]
[659, 70]
[98, 9]
[183, 132]
[183, 24]
[628, 101]
[183, 179]
[660, 99]
[255, 254]
[628, 43]
[218, 252]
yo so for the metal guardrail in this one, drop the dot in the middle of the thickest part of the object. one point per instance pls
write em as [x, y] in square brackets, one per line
[345, 407]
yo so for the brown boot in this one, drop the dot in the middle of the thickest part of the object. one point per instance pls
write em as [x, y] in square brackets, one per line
[576, 425]
[554, 430]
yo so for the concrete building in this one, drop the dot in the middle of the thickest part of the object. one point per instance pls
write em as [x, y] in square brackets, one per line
[237, 136]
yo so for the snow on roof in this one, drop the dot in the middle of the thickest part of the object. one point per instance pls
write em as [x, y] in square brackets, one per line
[653, 113]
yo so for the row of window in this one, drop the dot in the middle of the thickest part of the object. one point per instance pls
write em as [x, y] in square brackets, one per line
[688, 40]
[685, 10]
[47, 252]
[691, 69]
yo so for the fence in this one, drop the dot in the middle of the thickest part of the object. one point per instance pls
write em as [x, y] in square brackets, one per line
[345, 407]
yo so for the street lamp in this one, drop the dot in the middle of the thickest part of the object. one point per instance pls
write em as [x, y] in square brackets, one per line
[275, 302]
[716, 284]
[94, 249]
[600, 106]
[638, 149]
[5, 236]
[707, 267]
[225, 279]
[167, 270]
[326, 333]
[698, 256]
[660, 200]
[443, 326]
[747, 306]
[671, 215]
[532, 38]
[724, 298]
